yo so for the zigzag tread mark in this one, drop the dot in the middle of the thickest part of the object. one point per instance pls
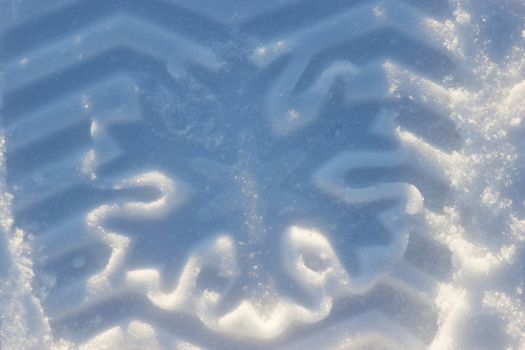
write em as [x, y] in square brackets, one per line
[119, 30]
[61, 87]
[18, 39]
[296, 15]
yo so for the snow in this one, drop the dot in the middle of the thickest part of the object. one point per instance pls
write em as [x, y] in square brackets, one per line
[352, 178]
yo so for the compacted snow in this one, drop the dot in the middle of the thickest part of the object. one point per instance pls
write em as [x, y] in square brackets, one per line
[303, 174]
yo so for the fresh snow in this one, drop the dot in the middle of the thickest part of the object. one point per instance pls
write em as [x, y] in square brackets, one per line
[182, 174]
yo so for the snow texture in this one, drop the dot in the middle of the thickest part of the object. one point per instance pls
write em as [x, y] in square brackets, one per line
[200, 174]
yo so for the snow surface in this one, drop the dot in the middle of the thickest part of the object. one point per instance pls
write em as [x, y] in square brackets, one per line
[180, 174]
